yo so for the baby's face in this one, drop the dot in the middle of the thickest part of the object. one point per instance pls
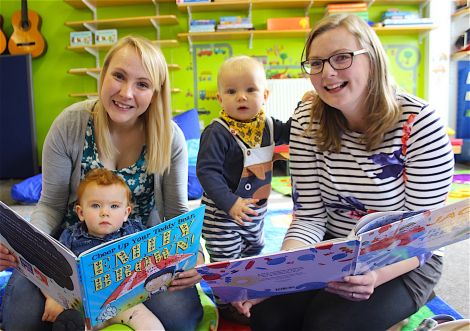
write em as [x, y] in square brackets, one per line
[104, 208]
[242, 93]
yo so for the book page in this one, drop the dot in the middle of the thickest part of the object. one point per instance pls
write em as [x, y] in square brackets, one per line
[41, 258]
[378, 219]
[284, 272]
[126, 272]
[413, 236]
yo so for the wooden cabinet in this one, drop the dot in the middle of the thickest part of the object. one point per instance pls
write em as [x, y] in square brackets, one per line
[115, 23]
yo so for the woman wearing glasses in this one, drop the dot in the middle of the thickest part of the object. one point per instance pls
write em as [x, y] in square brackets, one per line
[357, 145]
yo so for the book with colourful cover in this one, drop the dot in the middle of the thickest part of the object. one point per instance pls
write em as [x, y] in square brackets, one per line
[407, 21]
[378, 240]
[109, 278]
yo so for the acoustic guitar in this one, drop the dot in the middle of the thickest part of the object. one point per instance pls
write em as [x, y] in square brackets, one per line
[26, 37]
[3, 39]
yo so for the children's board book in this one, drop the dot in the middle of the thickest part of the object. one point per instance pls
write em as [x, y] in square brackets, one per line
[379, 239]
[109, 278]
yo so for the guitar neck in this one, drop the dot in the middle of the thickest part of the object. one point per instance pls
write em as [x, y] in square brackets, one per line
[24, 14]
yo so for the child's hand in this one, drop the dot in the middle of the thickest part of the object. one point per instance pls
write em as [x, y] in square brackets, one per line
[308, 96]
[6, 258]
[241, 208]
[52, 309]
[244, 307]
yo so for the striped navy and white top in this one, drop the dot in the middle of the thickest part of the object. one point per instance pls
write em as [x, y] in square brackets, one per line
[411, 170]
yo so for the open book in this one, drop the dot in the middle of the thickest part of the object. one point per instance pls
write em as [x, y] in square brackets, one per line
[379, 239]
[109, 278]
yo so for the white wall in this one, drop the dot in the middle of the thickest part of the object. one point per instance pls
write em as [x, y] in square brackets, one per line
[438, 80]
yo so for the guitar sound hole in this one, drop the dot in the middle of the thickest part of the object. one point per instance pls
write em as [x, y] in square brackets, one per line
[31, 43]
[25, 25]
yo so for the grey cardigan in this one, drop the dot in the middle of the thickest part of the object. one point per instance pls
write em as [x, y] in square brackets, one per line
[61, 167]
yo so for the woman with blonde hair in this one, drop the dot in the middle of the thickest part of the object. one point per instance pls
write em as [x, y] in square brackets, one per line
[357, 145]
[127, 130]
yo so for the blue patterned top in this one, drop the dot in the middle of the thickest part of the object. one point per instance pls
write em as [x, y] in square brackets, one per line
[139, 181]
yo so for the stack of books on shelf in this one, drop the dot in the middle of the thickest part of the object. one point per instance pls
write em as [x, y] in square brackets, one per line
[399, 17]
[231, 23]
[202, 26]
[359, 9]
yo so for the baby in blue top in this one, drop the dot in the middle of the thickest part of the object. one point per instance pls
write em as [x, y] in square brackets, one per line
[103, 206]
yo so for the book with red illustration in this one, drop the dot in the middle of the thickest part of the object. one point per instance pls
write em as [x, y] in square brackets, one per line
[379, 239]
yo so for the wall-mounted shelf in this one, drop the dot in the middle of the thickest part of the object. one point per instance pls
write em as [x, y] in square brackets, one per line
[461, 12]
[394, 2]
[93, 71]
[79, 4]
[123, 22]
[403, 29]
[95, 94]
[460, 55]
[161, 43]
[84, 95]
[84, 71]
[264, 4]
[115, 23]
[234, 35]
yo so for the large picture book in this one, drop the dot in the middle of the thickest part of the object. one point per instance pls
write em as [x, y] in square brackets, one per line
[379, 239]
[109, 278]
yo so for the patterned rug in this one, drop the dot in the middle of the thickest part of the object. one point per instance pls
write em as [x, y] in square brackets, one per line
[460, 188]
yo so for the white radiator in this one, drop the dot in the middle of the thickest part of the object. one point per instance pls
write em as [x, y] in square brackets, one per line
[284, 94]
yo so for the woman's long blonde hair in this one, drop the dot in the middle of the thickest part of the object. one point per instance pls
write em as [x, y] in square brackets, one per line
[157, 118]
[383, 109]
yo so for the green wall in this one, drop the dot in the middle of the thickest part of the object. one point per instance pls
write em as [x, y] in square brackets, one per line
[52, 83]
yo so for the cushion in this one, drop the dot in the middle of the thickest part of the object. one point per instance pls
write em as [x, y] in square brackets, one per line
[189, 124]
[27, 191]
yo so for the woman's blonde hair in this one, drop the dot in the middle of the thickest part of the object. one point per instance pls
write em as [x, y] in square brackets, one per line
[157, 118]
[383, 109]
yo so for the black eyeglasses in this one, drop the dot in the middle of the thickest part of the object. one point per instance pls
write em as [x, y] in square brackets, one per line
[339, 61]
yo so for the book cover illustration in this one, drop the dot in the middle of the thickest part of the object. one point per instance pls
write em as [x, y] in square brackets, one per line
[109, 278]
[281, 273]
[379, 240]
[41, 258]
[121, 274]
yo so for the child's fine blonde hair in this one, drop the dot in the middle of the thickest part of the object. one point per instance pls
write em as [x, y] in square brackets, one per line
[242, 63]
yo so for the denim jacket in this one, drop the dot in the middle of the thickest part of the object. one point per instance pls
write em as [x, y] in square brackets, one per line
[78, 240]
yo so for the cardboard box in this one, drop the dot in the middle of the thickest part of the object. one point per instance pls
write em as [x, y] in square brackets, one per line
[106, 37]
[288, 23]
[81, 38]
